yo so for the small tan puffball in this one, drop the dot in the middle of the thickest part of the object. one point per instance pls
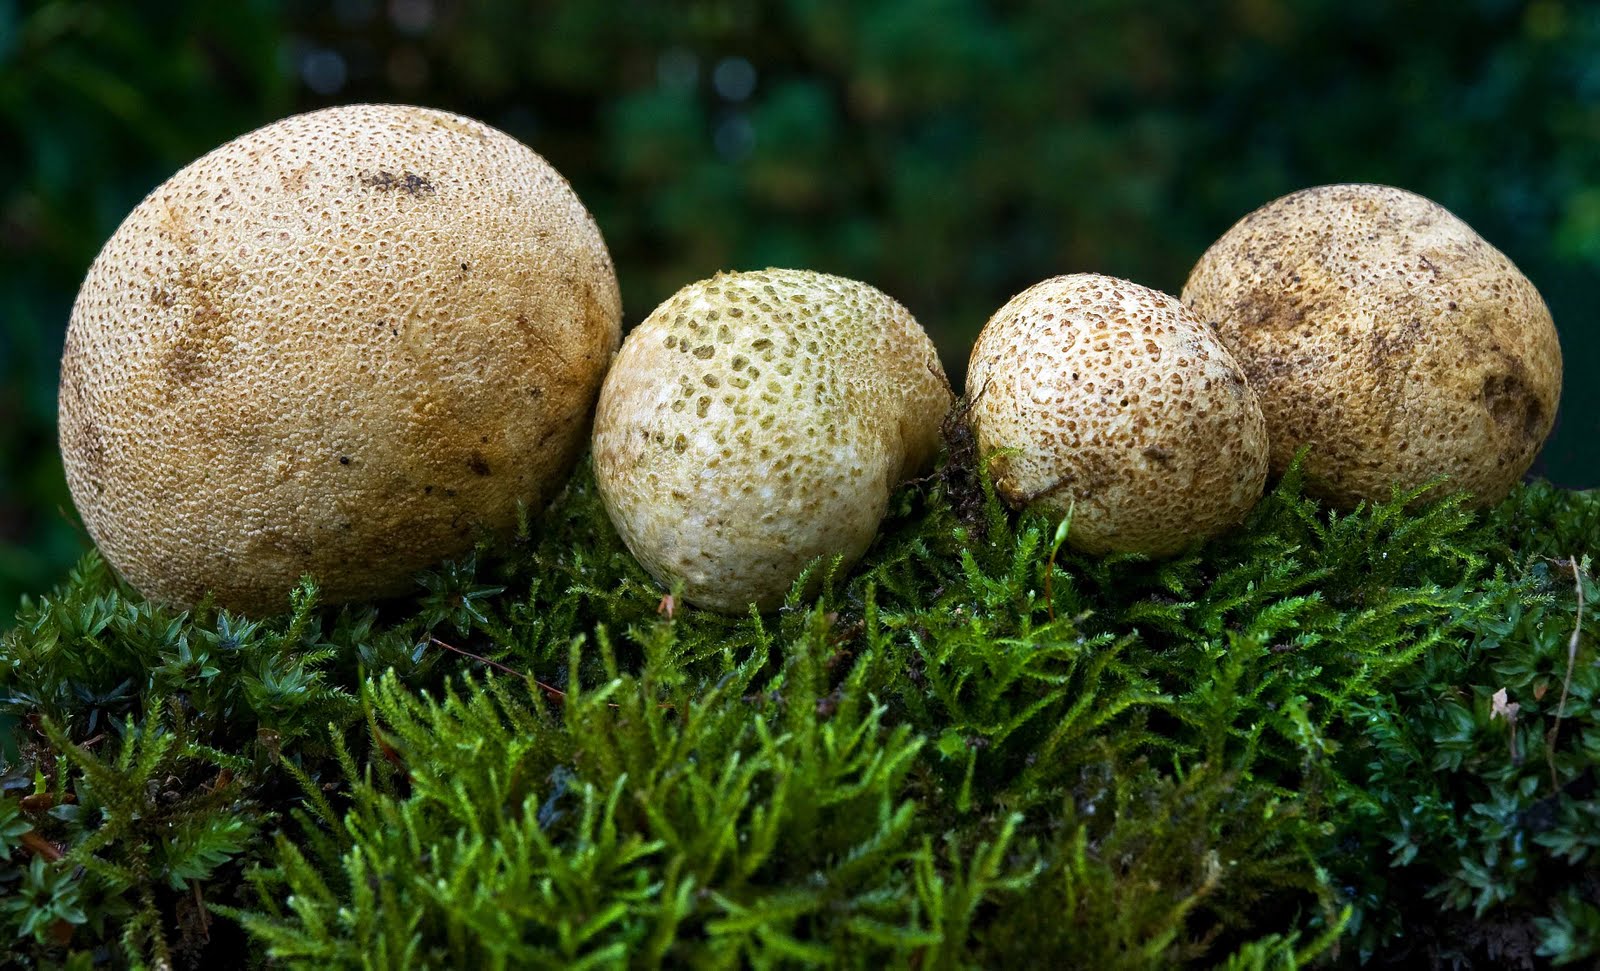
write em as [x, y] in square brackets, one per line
[756, 421]
[338, 345]
[1384, 333]
[1109, 397]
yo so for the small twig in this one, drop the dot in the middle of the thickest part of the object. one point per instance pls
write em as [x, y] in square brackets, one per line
[389, 752]
[556, 694]
[39, 846]
[1566, 683]
[1049, 592]
[1062, 528]
[74, 521]
[200, 911]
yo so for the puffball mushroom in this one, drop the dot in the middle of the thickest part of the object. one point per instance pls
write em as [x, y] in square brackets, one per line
[1110, 398]
[756, 421]
[339, 345]
[1384, 333]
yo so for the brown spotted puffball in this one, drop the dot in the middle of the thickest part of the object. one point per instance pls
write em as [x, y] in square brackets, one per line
[756, 421]
[1106, 397]
[1382, 332]
[342, 345]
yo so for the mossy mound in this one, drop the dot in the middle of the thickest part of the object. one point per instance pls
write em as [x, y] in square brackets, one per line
[979, 749]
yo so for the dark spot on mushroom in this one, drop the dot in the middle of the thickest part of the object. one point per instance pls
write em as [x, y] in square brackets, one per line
[1156, 453]
[478, 464]
[190, 356]
[1514, 407]
[93, 449]
[595, 318]
[408, 182]
[1278, 307]
[344, 460]
[295, 179]
[540, 340]
[1389, 349]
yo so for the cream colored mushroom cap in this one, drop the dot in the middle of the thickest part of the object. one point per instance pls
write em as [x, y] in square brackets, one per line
[340, 345]
[756, 421]
[1384, 333]
[1108, 397]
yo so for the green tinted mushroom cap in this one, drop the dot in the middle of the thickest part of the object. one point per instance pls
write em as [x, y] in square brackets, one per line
[756, 421]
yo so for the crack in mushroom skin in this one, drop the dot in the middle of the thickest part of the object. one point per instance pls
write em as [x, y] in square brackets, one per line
[345, 344]
[757, 421]
[1109, 398]
[1385, 334]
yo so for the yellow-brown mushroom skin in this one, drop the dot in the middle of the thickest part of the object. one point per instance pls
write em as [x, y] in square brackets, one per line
[1094, 393]
[1381, 331]
[339, 345]
[756, 421]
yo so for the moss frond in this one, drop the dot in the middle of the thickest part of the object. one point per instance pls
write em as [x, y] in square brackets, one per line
[1325, 736]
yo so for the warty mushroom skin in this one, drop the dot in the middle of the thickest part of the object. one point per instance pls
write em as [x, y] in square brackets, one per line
[757, 421]
[344, 344]
[1105, 397]
[1382, 332]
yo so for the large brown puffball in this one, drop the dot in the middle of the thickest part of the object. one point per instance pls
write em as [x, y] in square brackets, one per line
[341, 345]
[1109, 398]
[756, 421]
[1381, 331]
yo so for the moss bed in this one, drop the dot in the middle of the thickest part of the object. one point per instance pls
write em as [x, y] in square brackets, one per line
[1325, 738]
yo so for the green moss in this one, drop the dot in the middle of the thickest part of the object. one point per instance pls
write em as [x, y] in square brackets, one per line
[979, 749]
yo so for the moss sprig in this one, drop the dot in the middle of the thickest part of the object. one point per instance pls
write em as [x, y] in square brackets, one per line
[980, 748]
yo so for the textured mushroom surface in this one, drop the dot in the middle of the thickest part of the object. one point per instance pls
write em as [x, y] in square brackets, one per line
[1108, 397]
[756, 421]
[338, 345]
[1384, 333]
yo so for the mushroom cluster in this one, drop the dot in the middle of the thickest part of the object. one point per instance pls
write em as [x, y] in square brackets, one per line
[351, 342]
[1361, 323]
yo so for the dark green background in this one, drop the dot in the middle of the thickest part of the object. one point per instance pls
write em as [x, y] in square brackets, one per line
[948, 152]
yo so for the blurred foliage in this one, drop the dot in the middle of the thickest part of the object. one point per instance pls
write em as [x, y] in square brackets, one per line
[98, 104]
[948, 151]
